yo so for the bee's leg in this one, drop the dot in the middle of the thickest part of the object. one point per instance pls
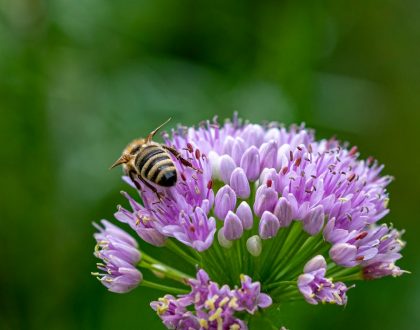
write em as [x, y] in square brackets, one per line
[148, 185]
[178, 156]
[133, 176]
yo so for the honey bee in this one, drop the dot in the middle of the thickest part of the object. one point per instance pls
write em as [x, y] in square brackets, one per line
[150, 162]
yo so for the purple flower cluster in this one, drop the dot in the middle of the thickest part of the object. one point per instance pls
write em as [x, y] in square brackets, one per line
[214, 307]
[119, 253]
[315, 287]
[297, 178]
[247, 183]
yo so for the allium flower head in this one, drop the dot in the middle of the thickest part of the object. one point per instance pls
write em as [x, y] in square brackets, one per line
[268, 214]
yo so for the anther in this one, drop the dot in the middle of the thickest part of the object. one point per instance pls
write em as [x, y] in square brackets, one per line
[190, 147]
[361, 235]
[351, 177]
[353, 151]
[197, 153]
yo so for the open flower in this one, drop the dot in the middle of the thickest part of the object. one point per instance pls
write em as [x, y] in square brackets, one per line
[119, 253]
[383, 263]
[315, 287]
[209, 306]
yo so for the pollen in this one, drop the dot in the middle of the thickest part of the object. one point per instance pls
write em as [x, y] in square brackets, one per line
[204, 324]
[223, 301]
[216, 315]
[210, 302]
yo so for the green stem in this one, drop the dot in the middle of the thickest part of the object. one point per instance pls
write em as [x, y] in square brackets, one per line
[287, 295]
[275, 245]
[167, 271]
[177, 250]
[164, 288]
[280, 283]
[297, 269]
[291, 244]
[212, 262]
[340, 272]
[351, 277]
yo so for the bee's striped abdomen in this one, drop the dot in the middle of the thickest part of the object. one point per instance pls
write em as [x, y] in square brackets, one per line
[156, 166]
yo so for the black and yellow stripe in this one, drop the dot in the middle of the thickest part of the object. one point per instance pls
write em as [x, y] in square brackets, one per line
[156, 166]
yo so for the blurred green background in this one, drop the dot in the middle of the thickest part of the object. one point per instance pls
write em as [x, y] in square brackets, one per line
[79, 79]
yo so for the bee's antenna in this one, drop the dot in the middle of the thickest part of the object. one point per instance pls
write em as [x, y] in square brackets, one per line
[122, 160]
[152, 133]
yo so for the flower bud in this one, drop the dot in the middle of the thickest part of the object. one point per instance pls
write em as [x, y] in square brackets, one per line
[151, 236]
[254, 245]
[227, 165]
[268, 154]
[283, 155]
[314, 220]
[238, 150]
[315, 263]
[232, 228]
[272, 134]
[250, 162]
[225, 201]
[265, 200]
[239, 183]
[334, 235]
[244, 213]
[228, 145]
[344, 254]
[284, 212]
[223, 240]
[253, 135]
[269, 225]
[214, 160]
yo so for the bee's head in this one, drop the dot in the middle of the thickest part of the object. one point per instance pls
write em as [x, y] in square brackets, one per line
[129, 153]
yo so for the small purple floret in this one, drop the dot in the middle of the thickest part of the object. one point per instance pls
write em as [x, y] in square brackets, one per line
[315, 287]
[209, 306]
[119, 253]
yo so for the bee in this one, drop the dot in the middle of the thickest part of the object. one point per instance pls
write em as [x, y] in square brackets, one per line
[150, 162]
